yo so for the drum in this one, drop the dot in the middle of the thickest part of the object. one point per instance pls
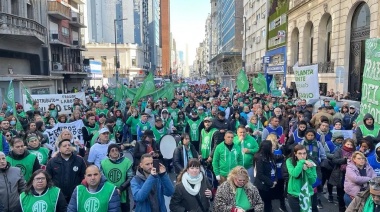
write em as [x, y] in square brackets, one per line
[167, 146]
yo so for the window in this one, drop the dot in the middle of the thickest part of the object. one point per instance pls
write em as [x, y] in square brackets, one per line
[65, 31]
[134, 62]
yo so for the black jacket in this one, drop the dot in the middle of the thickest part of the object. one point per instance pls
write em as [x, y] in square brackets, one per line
[66, 175]
[140, 149]
[220, 124]
[178, 157]
[336, 174]
[232, 123]
[263, 168]
[183, 201]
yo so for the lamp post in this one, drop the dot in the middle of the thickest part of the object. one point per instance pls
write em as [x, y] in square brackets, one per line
[117, 62]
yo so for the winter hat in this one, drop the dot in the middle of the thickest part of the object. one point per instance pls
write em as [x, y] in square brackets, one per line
[111, 146]
[337, 134]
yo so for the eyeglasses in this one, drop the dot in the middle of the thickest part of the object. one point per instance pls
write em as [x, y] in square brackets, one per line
[40, 179]
[8, 135]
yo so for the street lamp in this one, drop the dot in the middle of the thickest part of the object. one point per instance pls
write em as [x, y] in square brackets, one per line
[245, 41]
[117, 62]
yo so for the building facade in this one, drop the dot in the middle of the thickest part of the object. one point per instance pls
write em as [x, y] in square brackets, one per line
[332, 34]
[165, 38]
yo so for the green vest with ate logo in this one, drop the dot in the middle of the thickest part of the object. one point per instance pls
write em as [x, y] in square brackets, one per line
[206, 142]
[90, 202]
[42, 155]
[194, 129]
[366, 132]
[44, 203]
[117, 174]
[25, 164]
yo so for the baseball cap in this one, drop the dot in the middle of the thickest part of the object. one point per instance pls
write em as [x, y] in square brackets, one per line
[200, 108]
[158, 119]
[326, 100]
[207, 119]
[103, 130]
[352, 106]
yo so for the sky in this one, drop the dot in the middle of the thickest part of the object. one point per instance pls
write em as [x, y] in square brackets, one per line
[187, 23]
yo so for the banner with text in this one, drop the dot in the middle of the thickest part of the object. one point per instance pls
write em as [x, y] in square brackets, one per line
[74, 127]
[306, 78]
[63, 102]
[370, 101]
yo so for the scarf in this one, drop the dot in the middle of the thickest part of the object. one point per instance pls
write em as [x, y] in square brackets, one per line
[322, 138]
[22, 114]
[184, 155]
[196, 181]
[312, 148]
[346, 153]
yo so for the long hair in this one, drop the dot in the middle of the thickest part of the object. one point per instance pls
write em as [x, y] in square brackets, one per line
[29, 184]
[193, 162]
[297, 148]
[265, 151]
[234, 173]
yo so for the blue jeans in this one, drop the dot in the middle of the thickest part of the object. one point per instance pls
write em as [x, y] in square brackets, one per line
[347, 199]
[250, 174]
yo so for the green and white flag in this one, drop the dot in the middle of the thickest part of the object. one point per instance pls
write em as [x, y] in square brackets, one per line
[260, 84]
[305, 197]
[145, 89]
[10, 99]
[29, 98]
[242, 81]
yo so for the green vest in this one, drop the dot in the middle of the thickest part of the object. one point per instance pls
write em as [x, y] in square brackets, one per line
[158, 134]
[46, 202]
[366, 132]
[98, 201]
[206, 142]
[194, 131]
[173, 112]
[119, 125]
[25, 164]
[100, 111]
[117, 174]
[143, 126]
[91, 130]
[42, 155]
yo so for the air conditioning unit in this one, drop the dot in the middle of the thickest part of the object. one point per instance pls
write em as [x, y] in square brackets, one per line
[75, 43]
[74, 19]
[57, 67]
[54, 36]
[255, 23]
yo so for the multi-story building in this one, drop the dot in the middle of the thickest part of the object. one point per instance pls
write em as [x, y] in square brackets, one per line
[24, 48]
[165, 37]
[66, 41]
[276, 39]
[154, 35]
[229, 25]
[131, 57]
[255, 13]
[331, 34]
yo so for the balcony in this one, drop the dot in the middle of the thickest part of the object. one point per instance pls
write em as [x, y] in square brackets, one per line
[58, 10]
[67, 68]
[57, 38]
[77, 20]
[323, 67]
[77, 44]
[14, 25]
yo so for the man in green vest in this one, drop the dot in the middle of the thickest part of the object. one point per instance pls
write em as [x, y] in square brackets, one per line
[21, 158]
[34, 147]
[248, 146]
[207, 139]
[159, 130]
[173, 110]
[193, 128]
[95, 194]
[90, 128]
[142, 126]
[368, 129]
[167, 121]
[118, 170]
[201, 112]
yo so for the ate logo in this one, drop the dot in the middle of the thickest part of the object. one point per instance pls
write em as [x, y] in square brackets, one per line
[92, 204]
[40, 206]
[22, 167]
[114, 175]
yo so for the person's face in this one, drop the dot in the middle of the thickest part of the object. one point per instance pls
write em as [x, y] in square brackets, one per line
[114, 153]
[34, 143]
[92, 176]
[36, 105]
[349, 145]
[144, 118]
[237, 115]
[147, 164]
[369, 121]
[302, 127]
[364, 147]
[242, 133]
[338, 126]
[18, 147]
[66, 135]
[39, 182]
[310, 136]
[303, 103]
[3, 162]
[301, 154]
[191, 102]
[359, 160]
[102, 119]
[228, 137]
[159, 123]
[38, 118]
[277, 111]
[104, 136]
[375, 196]
[91, 120]
[4, 125]
[186, 140]
[8, 136]
[65, 148]
[254, 120]
[32, 126]
[324, 127]
[240, 181]
[275, 122]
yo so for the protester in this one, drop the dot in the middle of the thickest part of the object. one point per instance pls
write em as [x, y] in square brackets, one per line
[368, 129]
[367, 200]
[98, 151]
[146, 145]
[184, 153]
[208, 140]
[35, 148]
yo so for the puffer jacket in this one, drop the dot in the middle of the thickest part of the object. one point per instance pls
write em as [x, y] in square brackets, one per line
[12, 184]
[225, 197]
[353, 182]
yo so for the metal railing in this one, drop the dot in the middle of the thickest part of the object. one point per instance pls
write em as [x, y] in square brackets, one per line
[323, 67]
[77, 18]
[9, 20]
[56, 35]
[54, 6]
[67, 67]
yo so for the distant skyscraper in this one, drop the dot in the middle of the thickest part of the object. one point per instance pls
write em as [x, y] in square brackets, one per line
[137, 4]
[180, 56]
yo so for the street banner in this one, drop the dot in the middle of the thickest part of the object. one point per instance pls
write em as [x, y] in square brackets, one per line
[306, 78]
[63, 102]
[74, 127]
[370, 101]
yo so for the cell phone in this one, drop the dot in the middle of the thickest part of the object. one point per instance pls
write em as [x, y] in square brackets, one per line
[156, 164]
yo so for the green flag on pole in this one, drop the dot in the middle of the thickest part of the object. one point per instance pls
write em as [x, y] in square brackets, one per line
[305, 197]
[10, 98]
[242, 81]
[260, 84]
[29, 98]
[146, 88]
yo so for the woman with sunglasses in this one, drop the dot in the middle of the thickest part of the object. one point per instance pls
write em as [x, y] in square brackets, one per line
[358, 174]
[41, 193]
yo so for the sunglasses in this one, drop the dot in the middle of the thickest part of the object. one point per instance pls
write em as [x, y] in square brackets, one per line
[8, 135]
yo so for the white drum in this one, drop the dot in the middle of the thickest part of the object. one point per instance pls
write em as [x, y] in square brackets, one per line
[167, 146]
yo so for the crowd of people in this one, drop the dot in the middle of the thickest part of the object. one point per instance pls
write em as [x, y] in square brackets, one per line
[234, 152]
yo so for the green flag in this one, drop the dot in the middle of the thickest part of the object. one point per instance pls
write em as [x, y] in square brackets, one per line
[145, 88]
[242, 81]
[10, 98]
[29, 98]
[260, 84]
[304, 197]
[119, 92]
[103, 99]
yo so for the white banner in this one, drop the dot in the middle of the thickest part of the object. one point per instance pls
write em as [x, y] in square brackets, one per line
[346, 133]
[306, 78]
[63, 102]
[74, 127]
